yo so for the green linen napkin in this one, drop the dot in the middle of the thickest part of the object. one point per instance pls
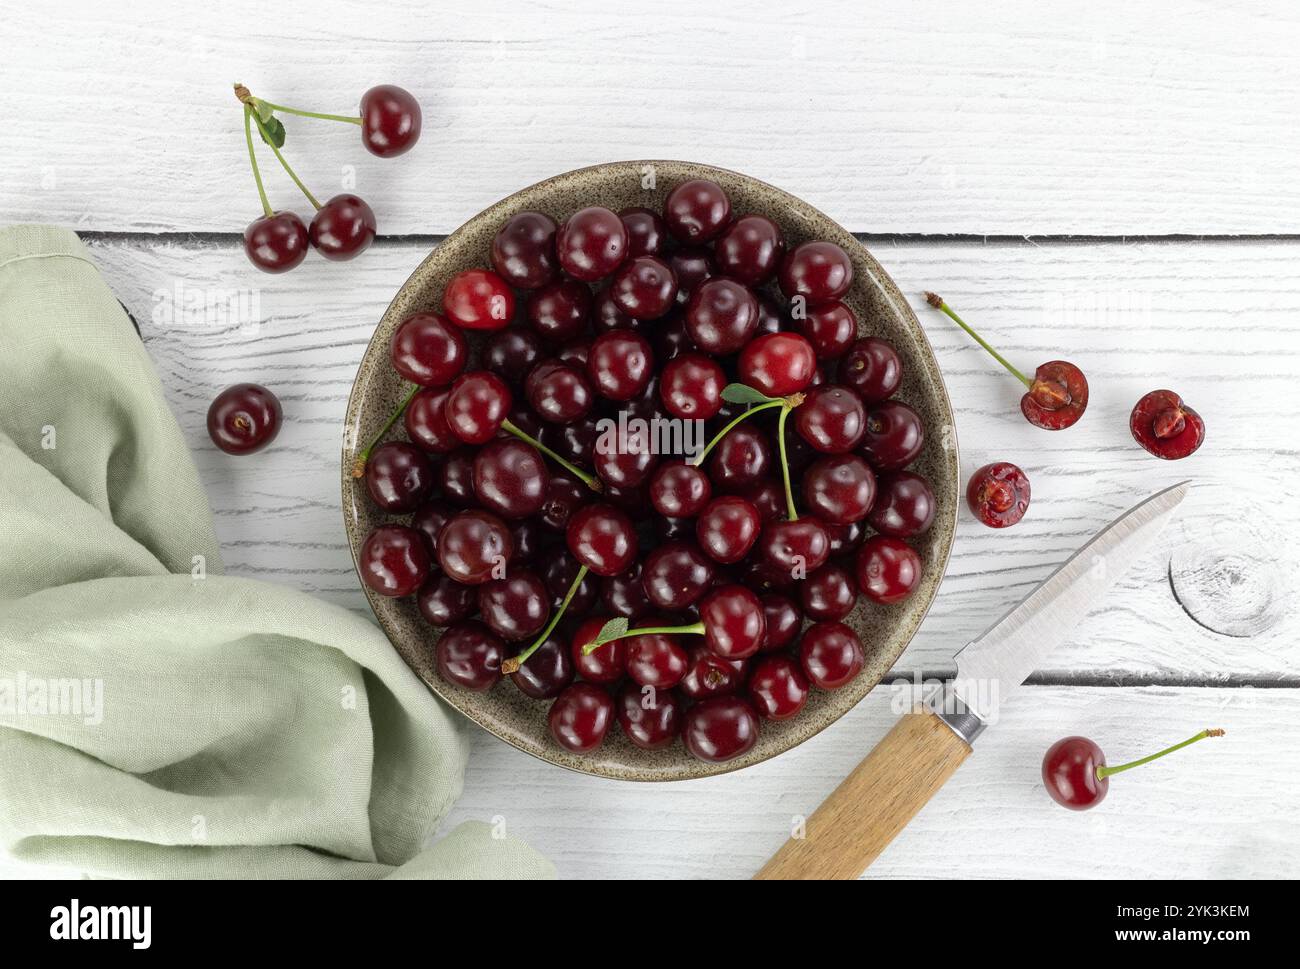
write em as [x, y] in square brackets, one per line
[158, 719]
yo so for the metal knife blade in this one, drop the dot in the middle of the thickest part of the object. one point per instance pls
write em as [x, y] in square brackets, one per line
[992, 666]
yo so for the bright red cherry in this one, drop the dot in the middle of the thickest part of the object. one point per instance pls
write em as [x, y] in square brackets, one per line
[839, 489]
[650, 718]
[750, 249]
[606, 663]
[778, 688]
[477, 405]
[620, 364]
[727, 529]
[998, 494]
[832, 419]
[721, 316]
[691, 386]
[428, 350]
[580, 717]
[830, 593]
[831, 654]
[817, 271]
[777, 364]
[888, 569]
[342, 228]
[591, 244]
[523, 251]
[276, 243]
[794, 548]
[390, 120]
[602, 538]
[829, 328]
[1075, 772]
[720, 729]
[510, 478]
[904, 505]
[872, 368]
[655, 659]
[1165, 426]
[244, 418]
[734, 623]
[399, 476]
[644, 288]
[477, 299]
[697, 211]
[469, 655]
[393, 560]
[425, 420]
[474, 547]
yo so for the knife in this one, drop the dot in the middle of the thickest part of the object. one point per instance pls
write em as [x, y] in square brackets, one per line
[916, 758]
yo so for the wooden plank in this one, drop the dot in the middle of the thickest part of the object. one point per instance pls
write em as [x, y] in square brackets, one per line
[1016, 118]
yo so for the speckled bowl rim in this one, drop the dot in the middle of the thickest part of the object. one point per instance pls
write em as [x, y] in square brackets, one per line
[942, 531]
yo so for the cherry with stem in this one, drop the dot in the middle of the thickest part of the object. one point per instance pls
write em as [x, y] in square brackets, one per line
[1077, 777]
[512, 664]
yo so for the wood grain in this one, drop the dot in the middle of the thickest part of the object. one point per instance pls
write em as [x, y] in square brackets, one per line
[1016, 118]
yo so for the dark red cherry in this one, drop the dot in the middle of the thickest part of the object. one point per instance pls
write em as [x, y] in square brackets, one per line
[575, 441]
[548, 671]
[679, 490]
[727, 529]
[580, 717]
[697, 211]
[443, 601]
[650, 718]
[675, 575]
[777, 688]
[773, 317]
[606, 314]
[830, 329]
[469, 655]
[768, 498]
[276, 243]
[691, 265]
[559, 573]
[558, 392]
[1070, 773]
[565, 494]
[474, 547]
[734, 623]
[511, 353]
[720, 729]
[1165, 426]
[872, 368]
[830, 654]
[428, 521]
[888, 569]
[817, 271]
[523, 251]
[655, 659]
[591, 244]
[691, 386]
[777, 364]
[390, 120]
[750, 249]
[644, 288]
[1057, 397]
[602, 538]
[623, 594]
[998, 494]
[845, 539]
[740, 460]
[763, 579]
[398, 476]
[560, 311]
[709, 675]
[784, 620]
[793, 548]
[456, 477]
[510, 478]
[620, 364]
[828, 594]
[393, 560]
[244, 418]
[530, 539]
[605, 664]
[627, 464]
[646, 233]
[839, 489]
[832, 419]
[575, 353]
[477, 299]
[894, 436]
[428, 350]
[342, 228]
[425, 420]
[904, 505]
[479, 401]
[721, 316]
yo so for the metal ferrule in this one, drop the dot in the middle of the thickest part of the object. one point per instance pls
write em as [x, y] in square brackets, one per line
[953, 711]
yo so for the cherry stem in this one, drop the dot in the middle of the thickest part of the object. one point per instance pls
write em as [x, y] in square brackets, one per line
[359, 465]
[513, 663]
[292, 174]
[937, 302]
[309, 114]
[694, 629]
[591, 481]
[252, 158]
[1104, 772]
[785, 465]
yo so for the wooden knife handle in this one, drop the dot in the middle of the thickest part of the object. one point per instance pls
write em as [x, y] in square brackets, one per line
[875, 802]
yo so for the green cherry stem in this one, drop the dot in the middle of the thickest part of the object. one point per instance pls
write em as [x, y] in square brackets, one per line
[252, 158]
[699, 458]
[513, 663]
[791, 513]
[309, 114]
[694, 629]
[292, 174]
[591, 481]
[1104, 772]
[935, 300]
[359, 465]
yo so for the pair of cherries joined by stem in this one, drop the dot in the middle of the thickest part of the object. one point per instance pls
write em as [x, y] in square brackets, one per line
[343, 226]
[1075, 772]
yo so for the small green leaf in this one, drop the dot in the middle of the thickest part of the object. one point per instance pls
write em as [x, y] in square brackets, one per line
[744, 394]
[275, 130]
[264, 113]
[612, 630]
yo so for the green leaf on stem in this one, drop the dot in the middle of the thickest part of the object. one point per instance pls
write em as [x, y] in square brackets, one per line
[275, 130]
[744, 394]
[612, 630]
[264, 111]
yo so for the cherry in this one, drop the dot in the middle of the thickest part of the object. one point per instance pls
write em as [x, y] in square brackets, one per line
[608, 315]
[691, 266]
[575, 353]
[904, 505]
[872, 368]
[456, 478]
[644, 288]
[793, 547]
[623, 594]
[560, 311]
[829, 329]
[244, 418]
[697, 211]
[845, 539]
[720, 729]
[763, 579]
[831, 419]
[1057, 396]
[894, 436]
[1165, 426]
[523, 251]
[777, 364]
[828, 594]
[839, 489]
[691, 386]
[650, 718]
[817, 271]
[709, 675]
[469, 655]
[511, 353]
[561, 575]
[625, 466]
[646, 233]
[477, 405]
[777, 688]
[591, 244]
[577, 440]
[474, 545]
[727, 529]
[603, 539]
[530, 539]
[390, 120]
[679, 490]
[604, 664]
[655, 659]
[773, 317]
[398, 476]
[733, 620]
[428, 521]
[548, 671]
[767, 498]
[558, 392]
[510, 478]
[1075, 772]
[830, 654]
[750, 249]
[998, 494]
[888, 569]
[276, 243]
[444, 601]
[783, 619]
[740, 460]
[393, 560]
[675, 575]
[721, 316]
[620, 364]
[565, 494]
[580, 717]
[477, 299]
[427, 350]
[342, 228]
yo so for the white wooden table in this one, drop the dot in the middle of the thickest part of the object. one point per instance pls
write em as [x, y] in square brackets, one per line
[1117, 184]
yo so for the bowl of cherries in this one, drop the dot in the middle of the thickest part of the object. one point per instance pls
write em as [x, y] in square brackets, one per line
[649, 470]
